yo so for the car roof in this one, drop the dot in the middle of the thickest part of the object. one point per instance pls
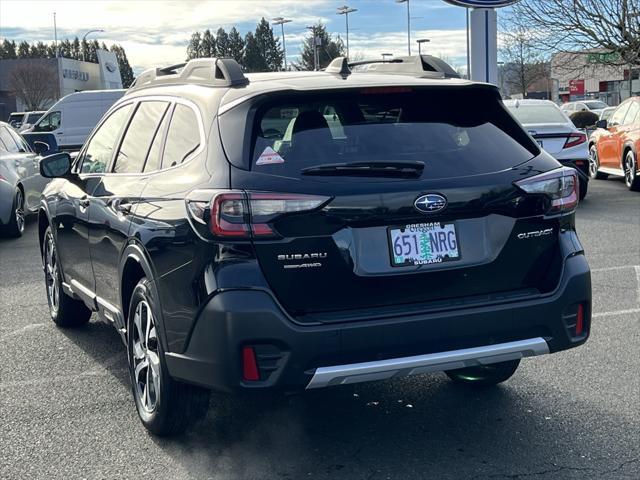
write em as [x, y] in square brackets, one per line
[528, 102]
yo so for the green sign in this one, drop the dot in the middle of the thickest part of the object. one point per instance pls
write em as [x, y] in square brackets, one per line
[607, 57]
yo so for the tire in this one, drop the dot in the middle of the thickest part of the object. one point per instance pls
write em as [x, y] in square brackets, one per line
[484, 375]
[594, 164]
[165, 406]
[65, 311]
[631, 177]
[584, 186]
[15, 227]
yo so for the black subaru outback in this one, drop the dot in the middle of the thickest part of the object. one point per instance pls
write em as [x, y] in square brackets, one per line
[301, 230]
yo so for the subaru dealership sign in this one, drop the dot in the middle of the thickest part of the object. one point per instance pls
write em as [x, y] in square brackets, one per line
[482, 3]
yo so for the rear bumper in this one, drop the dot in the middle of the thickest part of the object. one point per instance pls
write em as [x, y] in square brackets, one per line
[294, 357]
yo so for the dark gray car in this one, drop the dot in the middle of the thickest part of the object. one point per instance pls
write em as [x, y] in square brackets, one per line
[20, 180]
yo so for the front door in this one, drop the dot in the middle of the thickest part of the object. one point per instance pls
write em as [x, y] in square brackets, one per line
[608, 144]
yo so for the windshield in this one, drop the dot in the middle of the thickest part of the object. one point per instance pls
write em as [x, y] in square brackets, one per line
[595, 105]
[526, 114]
[15, 119]
[33, 118]
[438, 128]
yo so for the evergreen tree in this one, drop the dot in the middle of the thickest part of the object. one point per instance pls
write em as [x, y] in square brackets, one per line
[208, 45]
[126, 72]
[23, 50]
[65, 48]
[94, 46]
[194, 49]
[39, 50]
[51, 50]
[236, 46]
[84, 50]
[253, 61]
[9, 50]
[75, 49]
[327, 51]
[269, 48]
[223, 44]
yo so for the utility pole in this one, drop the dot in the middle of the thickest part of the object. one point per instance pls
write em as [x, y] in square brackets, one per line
[84, 39]
[55, 35]
[408, 24]
[281, 21]
[345, 10]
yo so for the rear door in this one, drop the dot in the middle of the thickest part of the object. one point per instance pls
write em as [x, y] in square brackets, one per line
[117, 195]
[609, 152]
[417, 200]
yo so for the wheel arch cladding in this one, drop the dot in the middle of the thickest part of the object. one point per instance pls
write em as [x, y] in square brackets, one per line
[131, 275]
[43, 223]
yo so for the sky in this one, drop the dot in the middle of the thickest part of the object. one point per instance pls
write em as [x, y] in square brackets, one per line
[155, 33]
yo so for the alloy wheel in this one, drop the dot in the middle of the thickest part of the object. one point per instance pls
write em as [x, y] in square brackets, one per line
[51, 274]
[20, 211]
[629, 169]
[593, 162]
[146, 359]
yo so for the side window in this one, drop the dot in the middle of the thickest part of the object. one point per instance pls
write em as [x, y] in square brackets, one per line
[618, 116]
[49, 123]
[183, 137]
[138, 137]
[8, 141]
[22, 145]
[98, 153]
[153, 159]
[632, 113]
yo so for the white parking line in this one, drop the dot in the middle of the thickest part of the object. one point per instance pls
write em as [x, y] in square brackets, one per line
[611, 269]
[26, 328]
[616, 312]
[638, 281]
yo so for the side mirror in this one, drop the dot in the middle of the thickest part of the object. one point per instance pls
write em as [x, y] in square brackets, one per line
[602, 124]
[40, 147]
[56, 165]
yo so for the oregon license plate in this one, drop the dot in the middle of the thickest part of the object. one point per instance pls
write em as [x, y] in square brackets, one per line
[423, 244]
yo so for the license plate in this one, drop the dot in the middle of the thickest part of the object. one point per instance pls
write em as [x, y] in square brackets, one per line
[423, 244]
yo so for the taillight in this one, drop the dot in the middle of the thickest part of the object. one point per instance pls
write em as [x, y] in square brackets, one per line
[238, 214]
[575, 139]
[560, 186]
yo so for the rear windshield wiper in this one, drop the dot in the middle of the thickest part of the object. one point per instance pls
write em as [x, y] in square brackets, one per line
[368, 169]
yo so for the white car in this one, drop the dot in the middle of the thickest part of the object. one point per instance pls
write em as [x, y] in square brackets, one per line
[554, 131]
[23, 121]
[595, 106]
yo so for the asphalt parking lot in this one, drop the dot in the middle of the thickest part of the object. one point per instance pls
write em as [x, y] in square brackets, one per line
[66, 410]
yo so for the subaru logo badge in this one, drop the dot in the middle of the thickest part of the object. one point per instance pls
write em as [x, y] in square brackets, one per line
[430, 203]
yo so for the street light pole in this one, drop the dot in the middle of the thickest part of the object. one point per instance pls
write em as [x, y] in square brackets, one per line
[345, 10]
[408, 24]
[281, 21]
[420, 42]
[84, 39]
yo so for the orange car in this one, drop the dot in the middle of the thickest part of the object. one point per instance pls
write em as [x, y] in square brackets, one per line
[614, 147]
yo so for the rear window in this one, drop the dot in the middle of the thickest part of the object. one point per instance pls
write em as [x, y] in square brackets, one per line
[455, 133]
[526, 114]
[595, 105]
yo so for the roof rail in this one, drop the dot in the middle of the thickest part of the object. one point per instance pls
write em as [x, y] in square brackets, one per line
[215, 72]
[426, 66]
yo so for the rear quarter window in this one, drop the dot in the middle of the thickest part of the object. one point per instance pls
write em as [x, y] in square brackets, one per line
[455, 132]
[183, 137]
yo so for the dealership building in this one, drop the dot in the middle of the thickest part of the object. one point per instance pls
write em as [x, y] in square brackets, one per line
[590, 74]
[67, 75]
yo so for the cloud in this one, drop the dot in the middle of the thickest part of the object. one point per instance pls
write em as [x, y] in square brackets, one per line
[157, 32]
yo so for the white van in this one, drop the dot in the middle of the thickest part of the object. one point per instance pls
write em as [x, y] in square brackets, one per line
[72, 118]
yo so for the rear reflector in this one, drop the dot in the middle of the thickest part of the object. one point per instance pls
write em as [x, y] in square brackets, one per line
[560, 186]
[249, 365]
[580, 320]
[575, 139]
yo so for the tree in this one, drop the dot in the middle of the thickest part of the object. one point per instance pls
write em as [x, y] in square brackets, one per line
[23, 50]
[269, 47]
[75, 49]
[253, 61]
[31, 83]
[223, 44]
[524, 64]
[39, 50]
[236, 45]
[126, 72]
[194, 49]
[84, 49]
[327, 50]
[9, 50]
[208, 45]
[569, 25]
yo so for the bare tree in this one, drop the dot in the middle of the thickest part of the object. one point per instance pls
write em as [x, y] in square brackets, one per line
[524, 63]
[34, 84]
[611, 26]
